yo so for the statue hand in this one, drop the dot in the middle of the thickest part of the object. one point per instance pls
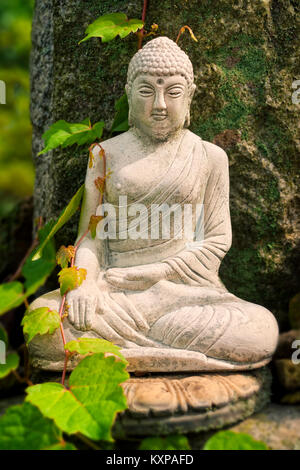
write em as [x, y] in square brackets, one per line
[83, 303]
[137, 277]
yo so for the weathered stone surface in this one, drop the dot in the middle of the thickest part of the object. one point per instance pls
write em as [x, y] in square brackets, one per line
[278, 426]
[182, 404]
[288, 373]
[245, 63]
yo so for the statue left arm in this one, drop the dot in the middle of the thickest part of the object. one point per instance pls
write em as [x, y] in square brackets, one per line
[199, 263]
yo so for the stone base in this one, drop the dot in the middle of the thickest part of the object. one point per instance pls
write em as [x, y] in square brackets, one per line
[162, 404]
[169, 404]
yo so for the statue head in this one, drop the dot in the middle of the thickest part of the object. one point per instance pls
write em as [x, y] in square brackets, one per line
[160, 86]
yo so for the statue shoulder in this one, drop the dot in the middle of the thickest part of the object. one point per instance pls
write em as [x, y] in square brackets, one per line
[216, 156]
[116, 143]
[112, 147]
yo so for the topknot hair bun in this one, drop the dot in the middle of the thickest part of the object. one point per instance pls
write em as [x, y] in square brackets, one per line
[160, 56]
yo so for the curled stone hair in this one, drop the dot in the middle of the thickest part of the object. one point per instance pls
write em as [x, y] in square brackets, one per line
[161, 56]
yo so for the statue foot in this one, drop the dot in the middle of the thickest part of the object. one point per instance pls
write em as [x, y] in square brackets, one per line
[179, 360]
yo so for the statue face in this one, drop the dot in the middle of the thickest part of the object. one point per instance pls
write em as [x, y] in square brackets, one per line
[159, 104]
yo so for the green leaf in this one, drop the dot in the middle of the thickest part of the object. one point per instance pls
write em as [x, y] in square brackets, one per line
[229, 440]
[3, 336]
[40, 322]
[71, 278]
[11, 296]
[23, 427]
[37, 271]
[120, 123]
[12, 363]
[64, 255]
[109, 26]
[65, 215]
[90, 403]
[85, 346]
[175, 442]
[63, 134]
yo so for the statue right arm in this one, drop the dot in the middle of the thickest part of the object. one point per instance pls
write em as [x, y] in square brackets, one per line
[84, 300]
[90, 251]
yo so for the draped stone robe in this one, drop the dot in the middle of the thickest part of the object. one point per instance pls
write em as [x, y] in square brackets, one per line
[191, 322]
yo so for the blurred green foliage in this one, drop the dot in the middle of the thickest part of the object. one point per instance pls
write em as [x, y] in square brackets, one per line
[16, 166]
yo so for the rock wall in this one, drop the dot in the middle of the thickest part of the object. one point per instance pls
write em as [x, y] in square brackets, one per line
[245, 63]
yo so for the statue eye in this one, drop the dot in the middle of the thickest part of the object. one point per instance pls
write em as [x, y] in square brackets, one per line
[146, 92]
[175, 92]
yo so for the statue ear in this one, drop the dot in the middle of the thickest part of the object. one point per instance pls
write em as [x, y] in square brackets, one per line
[187, 120]
[130, 122]
[192, 91]
[188, 117]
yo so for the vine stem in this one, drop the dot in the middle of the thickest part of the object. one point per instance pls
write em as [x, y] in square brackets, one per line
[63, 378]
[23, 350]
[77, 246]
[141, 33]
[61, 309]
[22, 379]
[104, 175]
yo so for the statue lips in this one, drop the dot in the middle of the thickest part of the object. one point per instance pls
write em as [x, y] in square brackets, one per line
[159, 116]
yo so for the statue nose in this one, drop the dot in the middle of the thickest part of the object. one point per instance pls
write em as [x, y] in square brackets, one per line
[159, 102]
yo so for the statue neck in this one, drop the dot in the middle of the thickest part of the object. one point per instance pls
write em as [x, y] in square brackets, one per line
[150, 141]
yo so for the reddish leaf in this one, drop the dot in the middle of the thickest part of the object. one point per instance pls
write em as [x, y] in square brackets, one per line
[64, 255]
[94, 221]
[189, 30]
[91, 155]
[100, 183]
[91, 159]
[102, 152]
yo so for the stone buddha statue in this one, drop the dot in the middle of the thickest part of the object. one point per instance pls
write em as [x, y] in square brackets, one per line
[152, 284]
